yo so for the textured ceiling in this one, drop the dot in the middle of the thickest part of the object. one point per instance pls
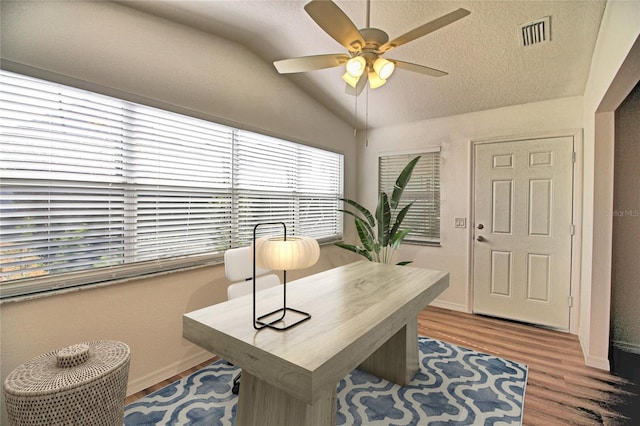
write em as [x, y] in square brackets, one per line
[482, 53]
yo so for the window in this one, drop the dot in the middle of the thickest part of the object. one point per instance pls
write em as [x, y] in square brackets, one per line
[423, 189]
[95, 188]
[275, 180]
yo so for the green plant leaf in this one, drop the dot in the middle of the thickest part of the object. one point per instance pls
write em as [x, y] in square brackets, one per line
[402, 181]
[399, 220]
[383, 217]
[365, 233]
[404, 262]
[399, 237]
[355, 216]
[365, 212]
[357, 250]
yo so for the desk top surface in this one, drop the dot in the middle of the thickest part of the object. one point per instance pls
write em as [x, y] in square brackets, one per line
[351, 307]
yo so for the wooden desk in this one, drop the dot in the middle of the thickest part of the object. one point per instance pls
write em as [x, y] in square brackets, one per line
[362, 315]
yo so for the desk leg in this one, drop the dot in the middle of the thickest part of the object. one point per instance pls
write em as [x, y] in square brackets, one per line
[262, 404]
[397, 359]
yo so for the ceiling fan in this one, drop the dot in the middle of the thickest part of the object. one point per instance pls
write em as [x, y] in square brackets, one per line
[365, 47]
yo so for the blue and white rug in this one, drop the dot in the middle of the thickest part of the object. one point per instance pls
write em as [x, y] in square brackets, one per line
[455, 386]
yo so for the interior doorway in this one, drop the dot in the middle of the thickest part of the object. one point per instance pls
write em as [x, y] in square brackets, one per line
[625, 268]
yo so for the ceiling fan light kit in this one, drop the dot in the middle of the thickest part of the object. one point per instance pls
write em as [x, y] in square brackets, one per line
[375, 80]
[355, 66]
[378, 71]
[383, 68]
[365, 47]
[350, 79]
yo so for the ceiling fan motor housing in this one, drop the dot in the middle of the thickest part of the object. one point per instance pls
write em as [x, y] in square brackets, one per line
[374, 38]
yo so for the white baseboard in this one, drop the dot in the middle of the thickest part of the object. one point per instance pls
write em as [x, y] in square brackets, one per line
[633, 348]
[141, 383]
[592, 361]
[597, 362]
[448, 305]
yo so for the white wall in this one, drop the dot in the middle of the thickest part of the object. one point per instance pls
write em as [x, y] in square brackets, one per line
[113, 49]
[615, 69]
[454, 135]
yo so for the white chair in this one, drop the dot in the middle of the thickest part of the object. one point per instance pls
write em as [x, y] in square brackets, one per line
[238, 269]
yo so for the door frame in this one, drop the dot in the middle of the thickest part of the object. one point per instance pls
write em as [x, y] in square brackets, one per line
[576, 241]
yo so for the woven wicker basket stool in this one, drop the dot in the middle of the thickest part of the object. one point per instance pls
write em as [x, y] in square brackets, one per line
[83, 384]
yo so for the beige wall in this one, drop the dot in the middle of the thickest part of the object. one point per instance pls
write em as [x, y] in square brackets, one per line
[146, 314]
[115, 50]
[615, 69]
[625, 288]
[455, 135]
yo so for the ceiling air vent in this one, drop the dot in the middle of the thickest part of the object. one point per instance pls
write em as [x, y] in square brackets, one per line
[536, 32]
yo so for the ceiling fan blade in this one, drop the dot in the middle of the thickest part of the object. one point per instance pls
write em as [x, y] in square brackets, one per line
[425, 29]
[335, 23]
[418, 68]
[360, 85]
[310, 63]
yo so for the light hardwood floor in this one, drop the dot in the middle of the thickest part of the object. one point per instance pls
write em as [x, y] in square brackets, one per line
[561, 390]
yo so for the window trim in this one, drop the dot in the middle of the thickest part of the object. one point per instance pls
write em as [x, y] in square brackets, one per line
[417, 151]
[33, 288]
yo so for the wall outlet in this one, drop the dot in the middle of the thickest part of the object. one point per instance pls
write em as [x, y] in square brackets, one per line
[461, 222]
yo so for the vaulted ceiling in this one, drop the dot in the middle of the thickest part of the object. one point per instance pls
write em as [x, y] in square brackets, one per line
[487, 65]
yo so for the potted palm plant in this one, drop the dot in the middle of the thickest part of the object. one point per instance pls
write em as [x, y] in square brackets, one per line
[380, 234]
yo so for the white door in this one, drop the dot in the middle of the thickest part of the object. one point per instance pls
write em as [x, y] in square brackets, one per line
[523, 226]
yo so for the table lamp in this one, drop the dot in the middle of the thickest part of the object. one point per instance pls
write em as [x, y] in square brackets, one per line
[281, 253]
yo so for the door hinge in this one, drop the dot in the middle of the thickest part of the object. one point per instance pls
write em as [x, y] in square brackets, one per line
[572, 229]
[570, 301]
[573, 156]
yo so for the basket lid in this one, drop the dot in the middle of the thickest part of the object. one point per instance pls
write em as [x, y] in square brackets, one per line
[67, 368]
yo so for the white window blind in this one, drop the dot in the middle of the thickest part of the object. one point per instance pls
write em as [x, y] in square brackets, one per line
[94, 188]
[423, 190]
[181, 178]
[280, 181]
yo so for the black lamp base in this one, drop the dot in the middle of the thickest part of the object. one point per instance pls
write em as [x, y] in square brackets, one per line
[271, 324]
[258, 323]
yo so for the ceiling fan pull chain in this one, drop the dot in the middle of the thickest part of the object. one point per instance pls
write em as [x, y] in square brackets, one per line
[366, 119]
[355, 113]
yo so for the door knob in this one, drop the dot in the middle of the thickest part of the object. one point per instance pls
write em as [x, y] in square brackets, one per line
[480, 238]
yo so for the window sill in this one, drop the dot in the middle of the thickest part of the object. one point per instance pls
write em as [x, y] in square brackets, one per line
[99, 284]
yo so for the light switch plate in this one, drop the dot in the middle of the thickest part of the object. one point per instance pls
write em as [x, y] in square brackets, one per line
[461, 222]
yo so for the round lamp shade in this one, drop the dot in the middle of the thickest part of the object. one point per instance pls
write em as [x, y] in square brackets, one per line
[294, 253]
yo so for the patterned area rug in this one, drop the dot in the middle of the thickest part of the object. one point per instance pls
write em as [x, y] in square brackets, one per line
[455, 386]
